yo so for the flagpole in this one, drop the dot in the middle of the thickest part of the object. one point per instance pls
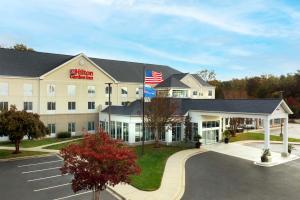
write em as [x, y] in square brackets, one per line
[143, 137]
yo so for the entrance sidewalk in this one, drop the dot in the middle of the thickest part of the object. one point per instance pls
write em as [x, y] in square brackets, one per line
[172, 184]
[237, 149]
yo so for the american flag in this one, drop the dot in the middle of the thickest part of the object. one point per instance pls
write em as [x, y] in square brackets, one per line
[153, 77]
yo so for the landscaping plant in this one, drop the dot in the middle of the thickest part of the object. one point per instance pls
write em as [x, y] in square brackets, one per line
[17, 124]
[197, 139]
[290, 148]
[226, 135]
[265, 157]
[98, 161]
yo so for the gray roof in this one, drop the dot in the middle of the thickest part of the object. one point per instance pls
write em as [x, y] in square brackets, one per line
[201, 81]
[35, 64]
[175, 81]
[171, 82]
[250, 106]
[29, 63]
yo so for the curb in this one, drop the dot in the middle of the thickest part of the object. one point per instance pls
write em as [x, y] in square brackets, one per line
[28, 157]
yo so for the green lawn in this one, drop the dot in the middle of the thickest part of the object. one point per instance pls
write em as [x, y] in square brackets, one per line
[152, 165]
[63, 145]
[36, 142]
[258, 136]
[5, 154]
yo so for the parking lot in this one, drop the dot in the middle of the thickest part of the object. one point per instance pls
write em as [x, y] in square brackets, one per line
[39, 178]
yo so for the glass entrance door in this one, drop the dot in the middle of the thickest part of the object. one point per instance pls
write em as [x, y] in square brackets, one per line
[210, 136]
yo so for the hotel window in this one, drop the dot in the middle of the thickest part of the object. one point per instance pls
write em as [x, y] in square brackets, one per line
[91, 126]
[51, 90]
[112, 129]
[124, 103]
[27, 88]
[52, 128]
[176, 132]
[91, 105]
[3, 106]
[107, 90]
[180, 93]
[125, 132]
[195, 93]
[3, 89]
[119, 130]
[71, 90]
[51, 106]
[106, 103]
[71, 127]
[71, 105]
[28, 106]
[210, 93]
[91, 91]
[138, 132]
[124, 91]
[162, 135]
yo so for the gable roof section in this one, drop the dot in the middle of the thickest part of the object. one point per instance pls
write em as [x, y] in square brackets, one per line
[36, 64]
[171, 82]
[130, 71]
[201, 81]
[29, 63]
[247, 106]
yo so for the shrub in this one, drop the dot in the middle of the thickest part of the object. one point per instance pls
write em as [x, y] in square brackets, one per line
[63, 135]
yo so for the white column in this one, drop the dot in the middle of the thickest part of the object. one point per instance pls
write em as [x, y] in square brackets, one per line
[131, 133]
[223, 124]
[267, 132]
[220, 130]
[168, 134]
[285, 135]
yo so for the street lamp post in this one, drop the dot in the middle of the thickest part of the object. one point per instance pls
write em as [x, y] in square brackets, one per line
[109, 106]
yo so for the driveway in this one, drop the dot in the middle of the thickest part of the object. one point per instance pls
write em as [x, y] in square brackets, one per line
[39, 178]
[214, 176]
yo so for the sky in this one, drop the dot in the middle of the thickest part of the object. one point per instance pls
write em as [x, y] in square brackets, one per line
[232, 37]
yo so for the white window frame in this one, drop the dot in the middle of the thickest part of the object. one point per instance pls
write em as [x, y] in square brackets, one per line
[27, 89]
[92, 103]
[208, 93]
[4, 105]
[50, 90]
[72, 131]
[72, 108]
[26, 104]
[71, 90]
[51, 127]
[91, 89]
[124, 91]
[3, 89]
[91, 123]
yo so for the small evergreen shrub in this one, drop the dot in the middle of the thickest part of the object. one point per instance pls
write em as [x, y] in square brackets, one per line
[63, 135]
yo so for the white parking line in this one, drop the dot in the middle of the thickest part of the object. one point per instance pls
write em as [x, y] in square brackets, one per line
[40, 170]
[48, 188]
[74, 195]
[43, 178]
[41, 163]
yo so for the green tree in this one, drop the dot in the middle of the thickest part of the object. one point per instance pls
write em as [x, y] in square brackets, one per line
[22, 47]
[188, 128]
[17, 124]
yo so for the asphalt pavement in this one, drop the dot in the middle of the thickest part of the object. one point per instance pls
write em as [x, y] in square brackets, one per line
[39, 179]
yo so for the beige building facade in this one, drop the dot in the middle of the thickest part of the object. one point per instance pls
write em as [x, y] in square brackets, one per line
[69, 95]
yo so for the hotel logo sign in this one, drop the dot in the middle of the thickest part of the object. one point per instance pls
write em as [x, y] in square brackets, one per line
[81, 74]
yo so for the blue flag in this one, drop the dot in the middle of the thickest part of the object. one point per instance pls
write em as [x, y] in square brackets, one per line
[149, 91]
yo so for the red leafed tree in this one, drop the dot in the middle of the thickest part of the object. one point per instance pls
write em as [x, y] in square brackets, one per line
[98, 161]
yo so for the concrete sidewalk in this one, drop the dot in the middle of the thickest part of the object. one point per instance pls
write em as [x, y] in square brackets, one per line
[237, 149]
[172, 184]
